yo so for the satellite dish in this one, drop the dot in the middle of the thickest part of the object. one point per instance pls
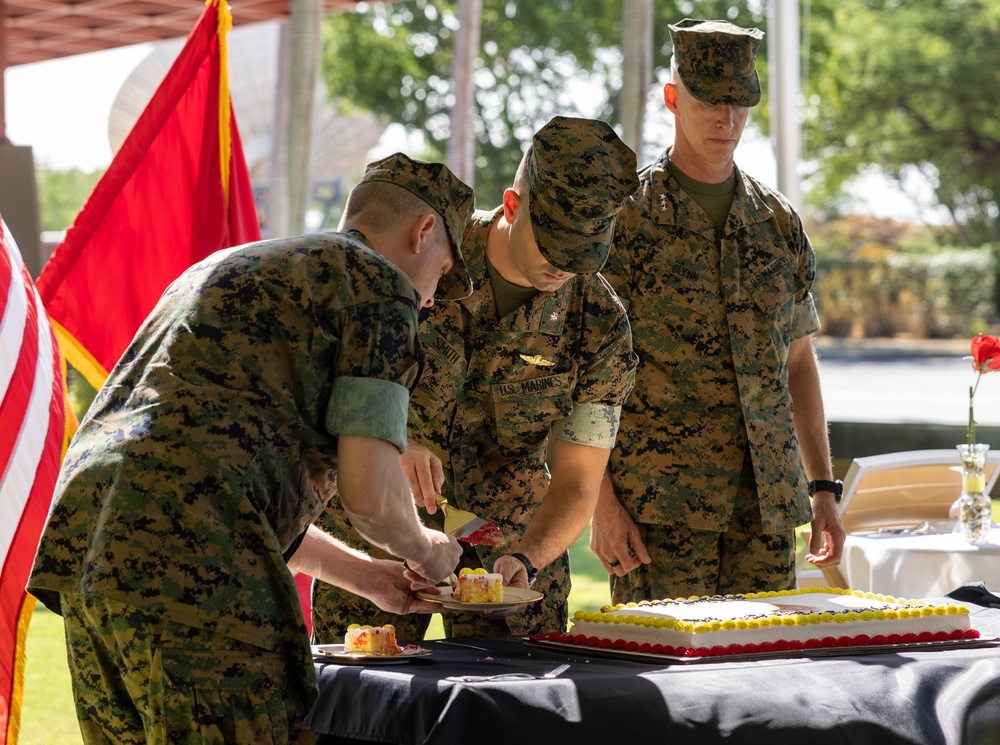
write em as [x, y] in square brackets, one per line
[340, 142]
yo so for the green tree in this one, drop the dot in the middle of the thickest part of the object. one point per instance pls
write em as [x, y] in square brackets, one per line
[61, 195]
[908, 87]
[395, 59]
[537, 59]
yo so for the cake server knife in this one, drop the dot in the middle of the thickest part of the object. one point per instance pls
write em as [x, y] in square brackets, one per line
[468, 527]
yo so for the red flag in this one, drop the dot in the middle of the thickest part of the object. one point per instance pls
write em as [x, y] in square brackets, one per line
[33, 436]
[177, 190]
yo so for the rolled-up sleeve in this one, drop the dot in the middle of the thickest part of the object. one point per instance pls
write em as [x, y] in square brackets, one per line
[369, 407]
[594, 424]
[805, 319]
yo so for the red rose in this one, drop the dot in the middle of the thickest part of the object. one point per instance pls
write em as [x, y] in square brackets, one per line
[986, 353]
[985, 358]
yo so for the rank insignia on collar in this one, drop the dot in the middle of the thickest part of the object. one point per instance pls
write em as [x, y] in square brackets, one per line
[537, 359]
[554, 315]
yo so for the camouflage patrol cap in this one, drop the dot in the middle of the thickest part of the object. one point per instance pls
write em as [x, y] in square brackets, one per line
[579, 174]
[449, 197]
[717, 61]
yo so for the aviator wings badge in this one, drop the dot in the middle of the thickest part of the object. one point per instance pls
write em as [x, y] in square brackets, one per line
[537, 359]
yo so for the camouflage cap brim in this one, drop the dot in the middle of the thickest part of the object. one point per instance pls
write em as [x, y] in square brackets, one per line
[579, 174]
[732, 93]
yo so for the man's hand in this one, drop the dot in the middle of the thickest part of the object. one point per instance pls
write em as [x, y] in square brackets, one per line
[440, 559]
[393, 589]
[426, 475]
[386, 583]
[614, 537]
[827, 541]
[514, 575]
[513, 571]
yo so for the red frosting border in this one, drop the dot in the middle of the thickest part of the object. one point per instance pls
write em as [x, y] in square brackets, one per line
[862, 640]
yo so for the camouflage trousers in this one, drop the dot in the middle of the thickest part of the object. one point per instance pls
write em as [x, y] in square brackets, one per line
[687, 562]
[334, 609]
[139, 679]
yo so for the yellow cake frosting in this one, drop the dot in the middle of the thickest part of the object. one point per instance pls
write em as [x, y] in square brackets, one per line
[768, 621]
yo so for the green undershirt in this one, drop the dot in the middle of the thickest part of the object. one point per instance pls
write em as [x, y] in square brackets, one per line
[509, 297]
[714, 199]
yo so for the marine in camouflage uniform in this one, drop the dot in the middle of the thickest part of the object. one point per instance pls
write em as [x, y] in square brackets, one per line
[205, 457]
[499, 388]
[708, 464]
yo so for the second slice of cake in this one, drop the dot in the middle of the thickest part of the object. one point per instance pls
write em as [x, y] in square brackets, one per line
[479, 586]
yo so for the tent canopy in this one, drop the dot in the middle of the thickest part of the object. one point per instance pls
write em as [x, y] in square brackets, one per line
[39, 30]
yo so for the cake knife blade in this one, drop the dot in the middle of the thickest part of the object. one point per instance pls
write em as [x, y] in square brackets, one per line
[468, 527]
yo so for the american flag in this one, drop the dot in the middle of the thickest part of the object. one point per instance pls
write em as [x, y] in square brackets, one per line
[32, 435]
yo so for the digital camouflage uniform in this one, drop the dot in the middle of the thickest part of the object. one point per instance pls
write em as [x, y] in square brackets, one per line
[707, 462]
[494, 389]
[206, 455]
[240, 687]
[712, 327]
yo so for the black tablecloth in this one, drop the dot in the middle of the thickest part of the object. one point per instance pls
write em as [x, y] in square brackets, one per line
[947, 696]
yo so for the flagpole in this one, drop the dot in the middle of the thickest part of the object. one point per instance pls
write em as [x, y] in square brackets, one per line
[224, 26]
[3, 68]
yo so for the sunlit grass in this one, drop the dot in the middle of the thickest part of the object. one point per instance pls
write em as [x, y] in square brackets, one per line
[48, 715]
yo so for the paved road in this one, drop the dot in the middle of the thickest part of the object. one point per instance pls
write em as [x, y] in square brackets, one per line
[904, 381]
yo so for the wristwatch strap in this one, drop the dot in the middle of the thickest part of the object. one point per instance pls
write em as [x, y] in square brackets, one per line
[834, 487]
[532, 572]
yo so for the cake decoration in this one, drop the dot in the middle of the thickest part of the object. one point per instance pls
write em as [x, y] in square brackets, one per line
[485, 535]
[809, 618]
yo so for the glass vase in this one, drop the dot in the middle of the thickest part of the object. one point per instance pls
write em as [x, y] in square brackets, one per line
[972, 511]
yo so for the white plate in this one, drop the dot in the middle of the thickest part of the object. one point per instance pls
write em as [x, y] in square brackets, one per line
[336, 653]
[512, 597]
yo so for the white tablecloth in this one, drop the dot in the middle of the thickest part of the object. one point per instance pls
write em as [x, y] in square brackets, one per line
[919, 566]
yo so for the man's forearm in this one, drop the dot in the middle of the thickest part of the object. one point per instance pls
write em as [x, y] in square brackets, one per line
[557, 522]
[577, 471]
[376, 496]
[322, 556]
[809, 417]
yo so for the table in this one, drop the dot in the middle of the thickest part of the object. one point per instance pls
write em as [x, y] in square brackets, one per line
[937, 697]
[918, 566]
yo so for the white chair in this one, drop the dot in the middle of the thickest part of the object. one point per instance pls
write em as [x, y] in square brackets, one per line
[903, 490]
[906, 488]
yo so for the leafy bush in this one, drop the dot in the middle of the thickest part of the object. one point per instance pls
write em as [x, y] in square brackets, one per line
[939, 294]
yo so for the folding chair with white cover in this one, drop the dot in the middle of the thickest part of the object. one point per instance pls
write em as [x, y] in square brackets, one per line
[903, 491]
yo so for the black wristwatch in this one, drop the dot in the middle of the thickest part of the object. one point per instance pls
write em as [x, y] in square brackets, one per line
[835, 487]
[529, 567]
